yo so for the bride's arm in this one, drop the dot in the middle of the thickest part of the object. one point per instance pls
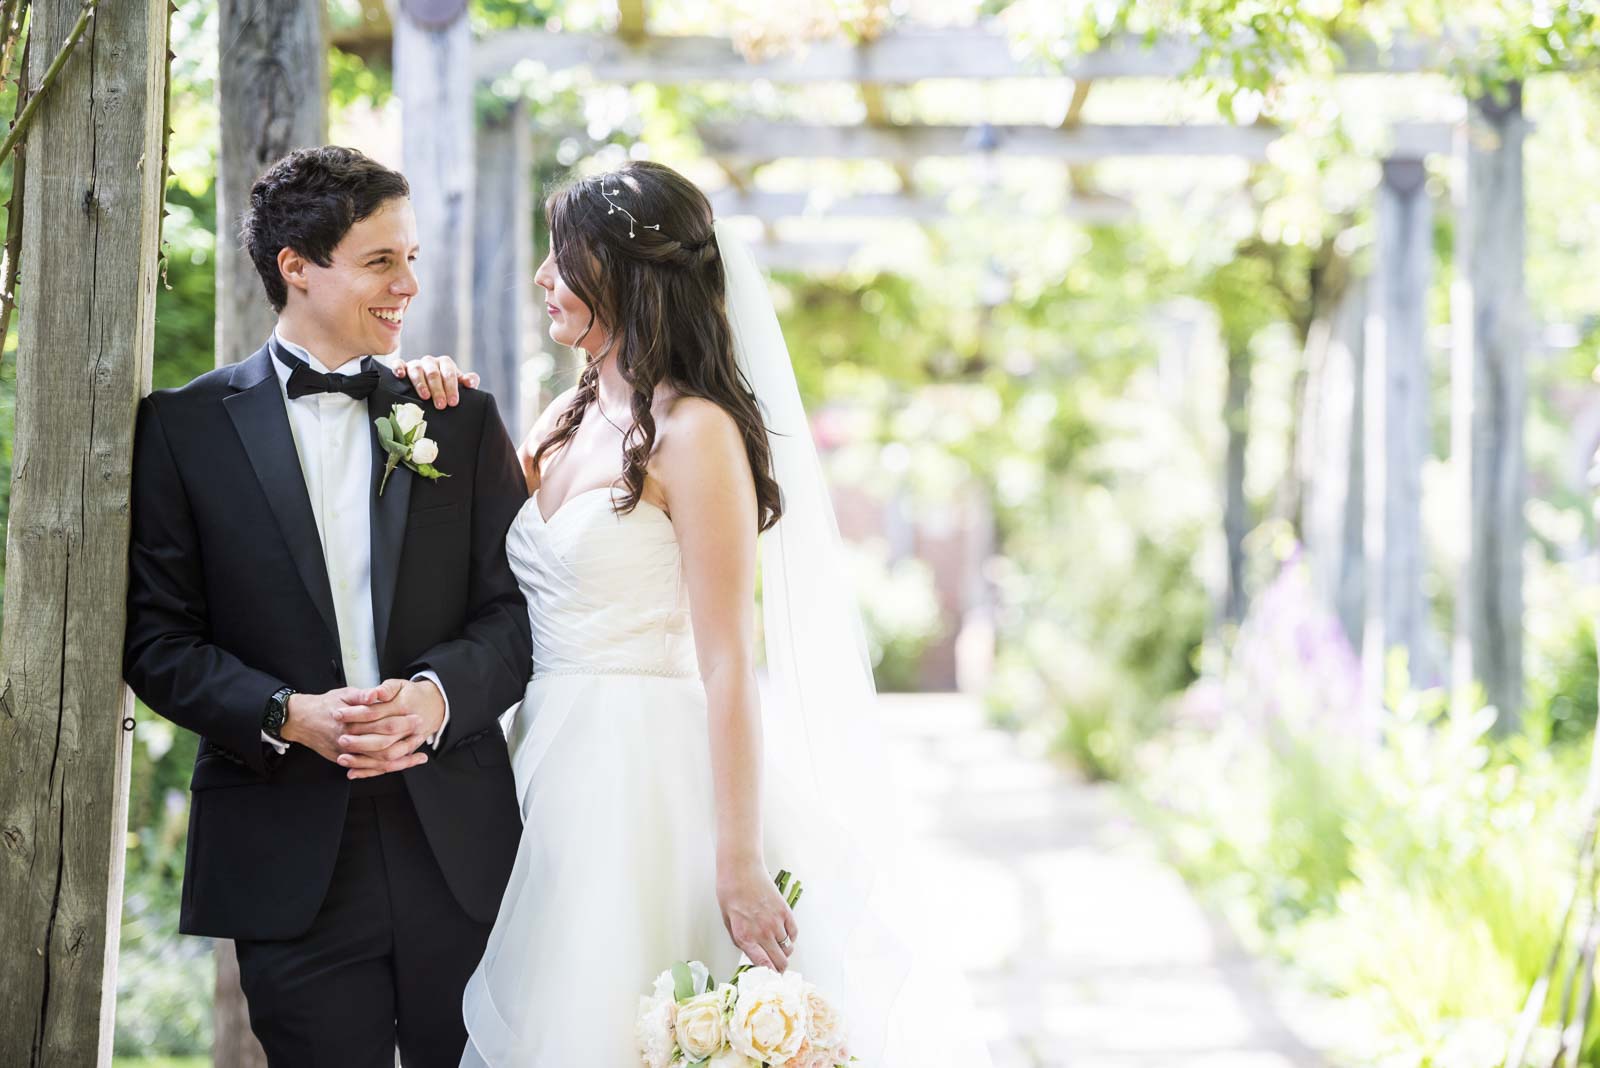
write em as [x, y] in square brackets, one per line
[701, 466]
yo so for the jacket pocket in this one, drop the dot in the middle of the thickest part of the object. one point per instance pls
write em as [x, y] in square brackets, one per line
[428, 517]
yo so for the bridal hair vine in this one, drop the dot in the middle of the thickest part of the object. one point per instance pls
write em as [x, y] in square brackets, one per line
[615, 207]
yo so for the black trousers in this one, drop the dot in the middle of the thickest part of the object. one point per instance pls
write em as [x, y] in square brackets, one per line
[383, 965]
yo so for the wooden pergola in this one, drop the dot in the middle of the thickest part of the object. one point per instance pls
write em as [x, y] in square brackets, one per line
[62, 737]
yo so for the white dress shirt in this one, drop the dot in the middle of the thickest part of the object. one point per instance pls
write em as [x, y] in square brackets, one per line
[333, 438]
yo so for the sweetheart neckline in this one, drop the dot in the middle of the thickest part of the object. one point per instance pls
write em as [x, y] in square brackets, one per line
[534, 500]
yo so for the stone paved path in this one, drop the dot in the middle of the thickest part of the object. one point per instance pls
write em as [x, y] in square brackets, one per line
[1085, 949]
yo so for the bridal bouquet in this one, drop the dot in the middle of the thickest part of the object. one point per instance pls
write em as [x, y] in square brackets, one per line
[757, 1019]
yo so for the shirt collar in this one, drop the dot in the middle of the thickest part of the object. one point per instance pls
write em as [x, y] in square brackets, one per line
[349, 368]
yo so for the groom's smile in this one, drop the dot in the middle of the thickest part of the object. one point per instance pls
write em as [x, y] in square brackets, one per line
[356, 305]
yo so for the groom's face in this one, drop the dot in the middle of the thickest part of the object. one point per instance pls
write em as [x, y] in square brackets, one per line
[360, 299]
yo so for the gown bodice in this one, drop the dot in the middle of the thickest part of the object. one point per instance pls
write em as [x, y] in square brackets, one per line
[605, 591]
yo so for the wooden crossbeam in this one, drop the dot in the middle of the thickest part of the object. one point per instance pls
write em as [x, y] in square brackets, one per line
[763, 140]
[919, 208]
[805, 256]
[900, 57]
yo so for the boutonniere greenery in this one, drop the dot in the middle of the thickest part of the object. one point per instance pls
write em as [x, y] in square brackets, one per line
[403, 435]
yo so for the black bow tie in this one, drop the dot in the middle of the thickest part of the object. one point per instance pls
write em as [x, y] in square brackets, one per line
[303, 381]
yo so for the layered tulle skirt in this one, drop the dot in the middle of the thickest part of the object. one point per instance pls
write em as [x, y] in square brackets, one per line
[615, 879]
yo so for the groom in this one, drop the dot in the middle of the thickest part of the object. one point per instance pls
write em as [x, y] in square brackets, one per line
[342, 646]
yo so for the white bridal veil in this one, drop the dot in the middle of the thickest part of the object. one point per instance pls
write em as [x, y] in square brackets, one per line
[831, 813]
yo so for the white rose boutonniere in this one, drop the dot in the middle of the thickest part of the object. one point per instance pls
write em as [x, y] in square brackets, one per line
[403, 435]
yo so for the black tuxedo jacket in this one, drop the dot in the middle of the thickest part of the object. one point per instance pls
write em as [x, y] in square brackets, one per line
[229, 600]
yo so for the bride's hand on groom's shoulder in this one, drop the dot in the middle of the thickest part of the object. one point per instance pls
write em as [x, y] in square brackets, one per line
[437, 378]
[755, 914]
[384, 729]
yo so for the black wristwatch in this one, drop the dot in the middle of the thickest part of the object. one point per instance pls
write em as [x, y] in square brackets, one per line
[277, 713]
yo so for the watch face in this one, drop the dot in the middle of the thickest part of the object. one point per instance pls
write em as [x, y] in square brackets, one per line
[277, 712]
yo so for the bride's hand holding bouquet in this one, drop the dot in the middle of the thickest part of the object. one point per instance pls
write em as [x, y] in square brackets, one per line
[758, 917]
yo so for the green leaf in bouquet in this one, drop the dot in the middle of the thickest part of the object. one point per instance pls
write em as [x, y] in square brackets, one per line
[385, 432]
[429, 471]
[682, 982]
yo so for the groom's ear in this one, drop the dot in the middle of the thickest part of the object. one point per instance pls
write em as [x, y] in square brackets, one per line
[292, 267]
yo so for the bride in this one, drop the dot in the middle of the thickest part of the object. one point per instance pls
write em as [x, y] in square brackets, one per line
[660, 788]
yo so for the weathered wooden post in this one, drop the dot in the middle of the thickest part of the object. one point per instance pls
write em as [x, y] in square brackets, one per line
[433, 78]
[1334, 458]
[1236, 519]
[1489, 398]
[86, 322]
[1396, 427]
[272, 85]
[503, 297]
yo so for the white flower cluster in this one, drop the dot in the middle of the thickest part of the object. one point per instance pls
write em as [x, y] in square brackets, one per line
[403, 435]
[759, 1019]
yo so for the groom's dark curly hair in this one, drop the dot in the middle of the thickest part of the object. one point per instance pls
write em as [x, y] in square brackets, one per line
[308, 201]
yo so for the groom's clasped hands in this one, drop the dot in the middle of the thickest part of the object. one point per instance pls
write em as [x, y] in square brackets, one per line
[368, 732]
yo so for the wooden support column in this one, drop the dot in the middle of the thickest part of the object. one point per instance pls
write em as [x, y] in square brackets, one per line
[272, 88]
[433, 78]
[1236, 518]
[1397, 387]
[504, 299]
[86, 326]
[272, 85]
[1489, 398]
[1333, 458]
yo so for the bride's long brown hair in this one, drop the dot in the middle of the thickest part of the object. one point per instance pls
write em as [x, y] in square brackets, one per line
[656, 281]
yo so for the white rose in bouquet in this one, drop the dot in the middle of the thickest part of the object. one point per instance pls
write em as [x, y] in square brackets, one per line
[657, 1017]
[826, 1029]
[770, 1016]
[700, 1027]
[811, 1055]
[407, 416]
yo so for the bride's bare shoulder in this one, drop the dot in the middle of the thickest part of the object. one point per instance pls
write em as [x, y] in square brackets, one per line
[542, 428]
[696, 433]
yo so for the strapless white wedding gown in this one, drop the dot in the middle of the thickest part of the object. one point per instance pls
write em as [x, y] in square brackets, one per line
[615, 877]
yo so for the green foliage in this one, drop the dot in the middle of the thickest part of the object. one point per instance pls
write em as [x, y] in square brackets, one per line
[1403, 857]
[899, 610]
[164, 981]
[1248, 52]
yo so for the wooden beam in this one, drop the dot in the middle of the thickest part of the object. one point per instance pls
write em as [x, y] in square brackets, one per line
[432, 77]
[1396, 429]
[1332, 461]
[503, 299]
[764, 140]
[1489, 317]
[91, 224]
[272, 84]
[806, 257]
[921, 208]
[272, 89]
[899, 57]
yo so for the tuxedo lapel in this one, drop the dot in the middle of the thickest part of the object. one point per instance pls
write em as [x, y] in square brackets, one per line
[388, 514]
[258, 415]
